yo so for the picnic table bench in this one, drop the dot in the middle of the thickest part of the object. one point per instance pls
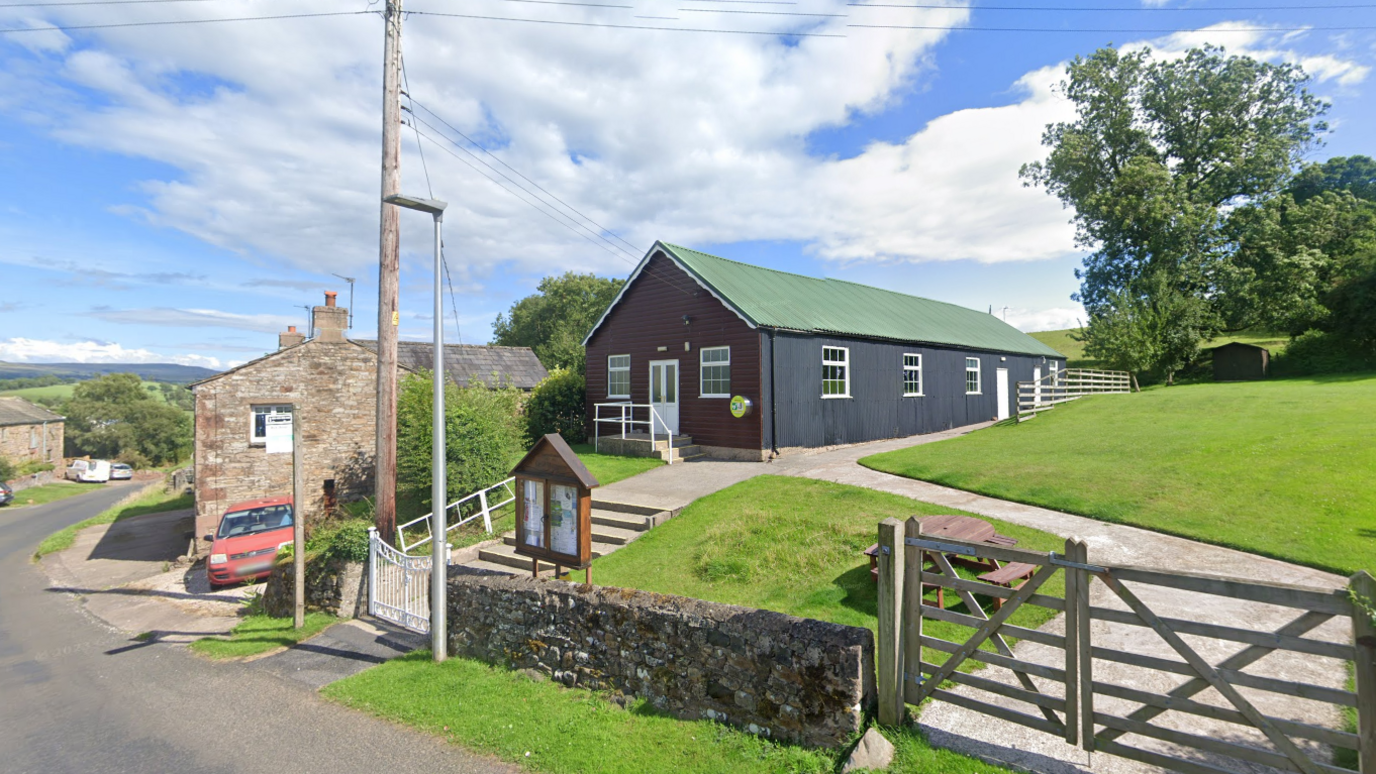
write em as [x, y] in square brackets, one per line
[949, 525]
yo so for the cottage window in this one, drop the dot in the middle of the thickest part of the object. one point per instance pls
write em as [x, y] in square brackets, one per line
[260, 421]
[912, 376]
[619, 376]
[715, 374]
[835, 372]
[972, 376]
[33, 437]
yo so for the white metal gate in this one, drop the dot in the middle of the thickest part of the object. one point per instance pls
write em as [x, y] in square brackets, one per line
[398, 585]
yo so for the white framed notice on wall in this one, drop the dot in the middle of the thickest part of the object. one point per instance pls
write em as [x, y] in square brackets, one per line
[533, 495]
[563, 519]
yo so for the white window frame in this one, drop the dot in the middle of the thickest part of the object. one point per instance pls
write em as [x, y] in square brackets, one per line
[627, 369]
[33, 436]
[916, 369]
[843, 364]
[273, 408]
[1055, 369]
[979, 376]
[703, 365]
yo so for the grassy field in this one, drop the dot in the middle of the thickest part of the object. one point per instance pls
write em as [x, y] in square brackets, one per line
[1063, 342]
[794, 546]
[61, 392]
[546, 727]
[154, 500]
[1281, 468]
[260, 634]
[46, 493]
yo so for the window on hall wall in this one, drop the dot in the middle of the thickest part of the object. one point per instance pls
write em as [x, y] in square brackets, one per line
[971, 376]
[835, 372]
[260, 421]
[1055, 372]
[912, 376]
[619, 376]
[715, 372]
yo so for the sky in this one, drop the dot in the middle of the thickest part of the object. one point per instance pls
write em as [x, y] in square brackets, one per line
[180, 192]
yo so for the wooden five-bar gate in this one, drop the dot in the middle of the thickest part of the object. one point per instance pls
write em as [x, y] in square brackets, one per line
[908, 561]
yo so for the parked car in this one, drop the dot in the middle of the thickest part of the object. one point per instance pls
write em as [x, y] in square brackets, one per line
[121, 472]
[245, 545]
[6, 494]
[97, 471]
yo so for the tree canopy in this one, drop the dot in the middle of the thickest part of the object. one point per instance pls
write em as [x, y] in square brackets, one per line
[115, 417]
[554, 321]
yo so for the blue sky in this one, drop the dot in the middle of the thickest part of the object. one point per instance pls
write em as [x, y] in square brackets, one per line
[178, 193]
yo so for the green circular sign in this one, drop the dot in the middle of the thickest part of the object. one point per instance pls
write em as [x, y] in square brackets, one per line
[740, 406]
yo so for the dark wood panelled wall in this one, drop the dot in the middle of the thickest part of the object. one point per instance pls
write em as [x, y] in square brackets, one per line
[650, 316]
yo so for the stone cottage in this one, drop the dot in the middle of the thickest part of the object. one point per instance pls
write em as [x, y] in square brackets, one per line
[30, 433]
[331, 381]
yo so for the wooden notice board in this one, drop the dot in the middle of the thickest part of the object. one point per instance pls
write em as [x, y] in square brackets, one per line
[554, 504]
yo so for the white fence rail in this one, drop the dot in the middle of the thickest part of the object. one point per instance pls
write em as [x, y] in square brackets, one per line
[463, 510]
[623, 415]
[1064, 386]
[398, 585]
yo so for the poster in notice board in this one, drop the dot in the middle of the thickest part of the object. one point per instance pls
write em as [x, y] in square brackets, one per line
[563, 519]
[534, 494]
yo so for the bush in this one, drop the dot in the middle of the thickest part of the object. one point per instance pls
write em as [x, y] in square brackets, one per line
[345, 540]
[484, 430]
[558, 405]
[7, 470]
[1320, 352]
[31, 467]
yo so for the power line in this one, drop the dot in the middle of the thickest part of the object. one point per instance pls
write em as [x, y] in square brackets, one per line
[1119, 30]
[97, 2]
[569, 2]
[1216, 9]
[761, 13]
[771, 33]
[72, 27]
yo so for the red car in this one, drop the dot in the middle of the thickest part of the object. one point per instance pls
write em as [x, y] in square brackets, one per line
[246, 543]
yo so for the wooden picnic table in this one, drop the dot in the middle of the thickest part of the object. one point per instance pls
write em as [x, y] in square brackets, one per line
[954, 527]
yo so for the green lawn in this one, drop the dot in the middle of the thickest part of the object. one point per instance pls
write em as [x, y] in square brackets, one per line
[46, 493]
[260, 634]
[155, 500]
[794, 546]
[1074, 351]
[549, 728]
[609, 468]
[1282, 468]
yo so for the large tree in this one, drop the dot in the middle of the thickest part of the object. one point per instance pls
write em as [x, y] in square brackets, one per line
[115, 417]
[1159, 154]
[553, 321]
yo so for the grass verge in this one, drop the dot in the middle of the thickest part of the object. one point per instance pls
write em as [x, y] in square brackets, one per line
[260, 634]
[47, 493]
[610, 468]
[549, 728]
[155, 500]
[1280, 468]
[794, 546]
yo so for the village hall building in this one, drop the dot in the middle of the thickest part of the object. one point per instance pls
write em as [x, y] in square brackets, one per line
[819, 362]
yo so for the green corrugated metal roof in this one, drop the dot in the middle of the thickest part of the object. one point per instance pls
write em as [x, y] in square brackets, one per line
[777, 299]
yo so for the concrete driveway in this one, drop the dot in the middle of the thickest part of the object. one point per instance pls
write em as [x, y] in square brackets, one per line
[80, 696]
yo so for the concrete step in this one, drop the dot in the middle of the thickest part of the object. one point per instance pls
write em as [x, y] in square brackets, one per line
[685, 452]
[504, 554]
[601, 541]
[630, 522]
[601, 504]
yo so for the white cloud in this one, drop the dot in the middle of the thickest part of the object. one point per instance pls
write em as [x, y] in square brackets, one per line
[195, 318]
[20, 350]
[1056, 319]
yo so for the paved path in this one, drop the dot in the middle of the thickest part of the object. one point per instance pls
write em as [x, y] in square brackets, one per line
[977, 734]
[82, 697]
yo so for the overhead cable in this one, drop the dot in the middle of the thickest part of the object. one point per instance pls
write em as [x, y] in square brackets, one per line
[72, 27]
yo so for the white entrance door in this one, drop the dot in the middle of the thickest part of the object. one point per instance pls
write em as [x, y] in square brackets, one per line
[1037, 385]
[664, 394]
[1002, 392]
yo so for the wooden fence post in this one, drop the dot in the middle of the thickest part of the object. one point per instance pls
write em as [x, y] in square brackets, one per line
[890, 656]
[1078, 551]
[1362, 587]
[912, 607]
[1072, 648]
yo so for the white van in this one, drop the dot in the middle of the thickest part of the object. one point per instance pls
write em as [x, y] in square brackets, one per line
[95, 471]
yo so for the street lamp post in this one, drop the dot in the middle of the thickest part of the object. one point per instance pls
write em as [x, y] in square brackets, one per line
[439, 494]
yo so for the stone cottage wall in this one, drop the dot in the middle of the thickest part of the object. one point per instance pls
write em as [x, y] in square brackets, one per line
[335, 384]
[24, 443]
[783, 677]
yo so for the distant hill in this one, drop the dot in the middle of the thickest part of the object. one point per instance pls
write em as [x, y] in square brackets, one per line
[153, 372]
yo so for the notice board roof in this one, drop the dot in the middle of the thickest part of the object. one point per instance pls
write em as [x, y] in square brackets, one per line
[551, 455]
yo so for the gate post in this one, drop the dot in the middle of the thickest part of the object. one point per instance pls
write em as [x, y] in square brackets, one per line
[372, 571]
[912, 608]
[1078, 551]
[890, 656]
[1362, 589]
[1072, 646]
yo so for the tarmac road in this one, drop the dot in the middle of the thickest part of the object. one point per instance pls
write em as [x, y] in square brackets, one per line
[77, 696]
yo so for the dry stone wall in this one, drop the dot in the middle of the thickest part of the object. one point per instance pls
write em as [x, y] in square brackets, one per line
[333, 586]
[776, 675]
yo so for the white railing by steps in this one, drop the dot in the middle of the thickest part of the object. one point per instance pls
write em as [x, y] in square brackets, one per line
[1064, 386]
[483, 498]
[623, 415]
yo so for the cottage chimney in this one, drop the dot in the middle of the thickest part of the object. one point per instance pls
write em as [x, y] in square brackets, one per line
[291, 338]
[330, 320]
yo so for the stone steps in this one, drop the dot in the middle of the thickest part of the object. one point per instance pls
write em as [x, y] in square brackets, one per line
[505, 554]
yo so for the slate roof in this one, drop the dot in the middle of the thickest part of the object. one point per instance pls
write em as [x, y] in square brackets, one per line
[509, 366]
[17, 411]
[769, 298]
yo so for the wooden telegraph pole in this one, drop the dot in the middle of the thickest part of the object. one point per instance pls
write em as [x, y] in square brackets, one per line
[298, 515]
[388, 280]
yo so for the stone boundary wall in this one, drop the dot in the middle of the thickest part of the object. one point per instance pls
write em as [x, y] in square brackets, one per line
[36, 479]
[333, 586]
[787, 678]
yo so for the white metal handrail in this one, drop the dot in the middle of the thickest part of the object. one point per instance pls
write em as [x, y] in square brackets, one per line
[1064, 386]
[485, 509]
[626, 416]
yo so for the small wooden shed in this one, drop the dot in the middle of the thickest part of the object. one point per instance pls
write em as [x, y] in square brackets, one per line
[554, 505]
[1238, 362]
